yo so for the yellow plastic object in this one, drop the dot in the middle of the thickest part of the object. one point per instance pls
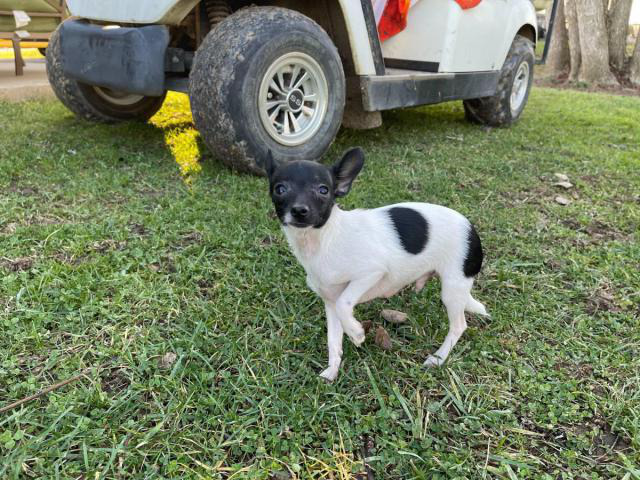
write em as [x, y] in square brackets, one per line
[7, 44]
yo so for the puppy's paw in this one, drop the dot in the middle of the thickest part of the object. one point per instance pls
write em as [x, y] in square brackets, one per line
[356, 334]
[329, 374]
[433, 361]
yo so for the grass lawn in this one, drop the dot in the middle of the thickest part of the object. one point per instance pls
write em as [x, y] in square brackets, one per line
[171, 291]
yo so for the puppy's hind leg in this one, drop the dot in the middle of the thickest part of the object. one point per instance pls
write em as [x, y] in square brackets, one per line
[454, 296]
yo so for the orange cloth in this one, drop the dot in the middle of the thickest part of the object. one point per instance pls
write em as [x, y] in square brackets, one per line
[468, 3]
[394, 16]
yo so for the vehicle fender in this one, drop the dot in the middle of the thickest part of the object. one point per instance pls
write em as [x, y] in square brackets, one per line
[523, 14]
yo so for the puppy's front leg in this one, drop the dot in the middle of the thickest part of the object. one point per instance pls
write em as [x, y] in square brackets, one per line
[334, 342]
[348, 300]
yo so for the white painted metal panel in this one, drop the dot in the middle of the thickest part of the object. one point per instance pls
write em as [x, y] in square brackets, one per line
[358, 37]
[472, 40]
[167, 12]
[429, 24]
[170, 12]
[479, 37]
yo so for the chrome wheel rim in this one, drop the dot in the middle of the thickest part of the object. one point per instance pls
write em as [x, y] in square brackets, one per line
[117, 98]
[520, 86]
[292, 99]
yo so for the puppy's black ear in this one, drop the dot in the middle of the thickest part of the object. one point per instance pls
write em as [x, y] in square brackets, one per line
[346, 170]
[269, 164]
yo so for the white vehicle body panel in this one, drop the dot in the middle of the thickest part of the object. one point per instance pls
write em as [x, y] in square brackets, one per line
[472, 40]
[172, 12]
[166, 12]
[358, 37]
[439, 31]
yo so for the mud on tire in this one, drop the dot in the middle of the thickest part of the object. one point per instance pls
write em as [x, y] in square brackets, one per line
[497, 111]
[92, 103]
[226, 78]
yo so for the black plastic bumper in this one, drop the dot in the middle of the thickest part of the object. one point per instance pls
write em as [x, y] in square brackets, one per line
[125, 59]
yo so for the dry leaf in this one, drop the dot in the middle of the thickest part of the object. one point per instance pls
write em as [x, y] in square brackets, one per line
[167, 360]
[383, 340]
[562, 200]
[366, 325]
[394, 316]
[564, 184]
[561, 176]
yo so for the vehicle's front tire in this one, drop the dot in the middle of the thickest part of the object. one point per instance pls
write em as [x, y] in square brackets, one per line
[267, 78]
[94, 103]
[514, 85]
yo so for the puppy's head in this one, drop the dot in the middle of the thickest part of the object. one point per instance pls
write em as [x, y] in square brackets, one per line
[303, 192]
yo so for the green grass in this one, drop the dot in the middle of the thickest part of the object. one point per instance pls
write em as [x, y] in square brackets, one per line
[113, 257]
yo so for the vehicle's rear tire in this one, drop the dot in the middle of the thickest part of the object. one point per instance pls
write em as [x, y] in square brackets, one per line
[516, 77]
[267, 78]
[94, 103]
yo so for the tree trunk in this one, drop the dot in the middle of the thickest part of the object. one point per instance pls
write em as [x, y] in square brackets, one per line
[634, 67]
[594, 46]
[574, 38]
[618, 24]
[558, 60]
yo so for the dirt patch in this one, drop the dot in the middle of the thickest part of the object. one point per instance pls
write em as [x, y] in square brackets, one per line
[69, 258]
[18, 264]
[607, 441]
[537, 195]
[601, 301]
[191, 238]
[166, 265]
[597, 232]
[266, 241]
[106, 245]
[206, 288]
[25, 190]
[114, 380]
[138, 229]
[580, 371]
[167, 360]
[625, 88]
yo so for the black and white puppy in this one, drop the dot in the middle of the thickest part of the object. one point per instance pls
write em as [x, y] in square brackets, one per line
[351, 257]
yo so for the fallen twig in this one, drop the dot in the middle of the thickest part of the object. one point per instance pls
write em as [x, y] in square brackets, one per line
[41, 393]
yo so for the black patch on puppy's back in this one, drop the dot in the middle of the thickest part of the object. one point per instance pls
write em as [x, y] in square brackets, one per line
[473, 259]
[412, 228]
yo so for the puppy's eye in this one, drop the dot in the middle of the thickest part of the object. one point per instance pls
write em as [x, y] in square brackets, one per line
[322, 190]
[280, 189]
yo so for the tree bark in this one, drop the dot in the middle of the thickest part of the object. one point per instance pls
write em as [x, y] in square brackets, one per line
[634, 67]
[618, 24]
[574, 38]
[594, 46]
[559, 58]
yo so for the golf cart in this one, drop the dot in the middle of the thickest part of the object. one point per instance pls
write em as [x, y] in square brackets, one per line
[285, 74]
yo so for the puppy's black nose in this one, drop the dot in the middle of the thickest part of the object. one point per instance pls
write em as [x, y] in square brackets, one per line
[300, 211]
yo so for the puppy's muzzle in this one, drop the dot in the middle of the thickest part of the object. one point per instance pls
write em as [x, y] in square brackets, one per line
[300, 212]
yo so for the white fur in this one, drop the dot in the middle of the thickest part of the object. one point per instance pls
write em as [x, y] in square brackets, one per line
[357, 256]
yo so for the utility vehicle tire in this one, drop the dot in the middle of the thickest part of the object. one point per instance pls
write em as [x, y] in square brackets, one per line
[93, 103]
[267, 78]
[514, 85]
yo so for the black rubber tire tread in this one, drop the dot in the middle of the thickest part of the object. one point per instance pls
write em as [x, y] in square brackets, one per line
[495, 111]
[226, 75]
[82, 100]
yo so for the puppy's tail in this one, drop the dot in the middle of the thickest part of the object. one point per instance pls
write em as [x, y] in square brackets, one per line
[474, 306]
